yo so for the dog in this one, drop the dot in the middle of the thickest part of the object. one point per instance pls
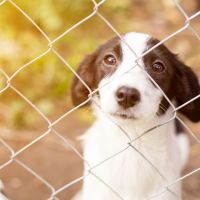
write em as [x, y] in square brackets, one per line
[134, 95]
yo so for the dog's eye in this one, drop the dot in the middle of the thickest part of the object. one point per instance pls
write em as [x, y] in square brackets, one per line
[110, 60]
[158, 67]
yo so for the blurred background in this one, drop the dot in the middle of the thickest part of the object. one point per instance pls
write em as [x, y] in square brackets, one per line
[46, 82]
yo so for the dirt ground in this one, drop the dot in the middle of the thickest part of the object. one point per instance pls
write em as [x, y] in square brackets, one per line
[59, 165]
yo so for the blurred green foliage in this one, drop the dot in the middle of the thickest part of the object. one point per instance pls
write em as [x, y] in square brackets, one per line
[46, 82]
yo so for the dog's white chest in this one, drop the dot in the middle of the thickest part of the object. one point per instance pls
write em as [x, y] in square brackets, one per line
[128, 172]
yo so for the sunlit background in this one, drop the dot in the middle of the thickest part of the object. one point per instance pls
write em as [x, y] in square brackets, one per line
[46, 82]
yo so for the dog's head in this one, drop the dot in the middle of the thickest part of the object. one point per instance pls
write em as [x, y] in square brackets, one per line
[126, 89]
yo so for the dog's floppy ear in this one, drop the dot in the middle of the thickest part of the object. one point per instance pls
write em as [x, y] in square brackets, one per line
[187, 87]
[86, 71]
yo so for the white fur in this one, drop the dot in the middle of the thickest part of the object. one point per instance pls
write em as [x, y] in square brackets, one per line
[2, 197]
[129, 173]
[184, 146]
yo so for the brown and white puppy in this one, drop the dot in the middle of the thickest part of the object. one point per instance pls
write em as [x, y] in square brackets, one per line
[129, 102]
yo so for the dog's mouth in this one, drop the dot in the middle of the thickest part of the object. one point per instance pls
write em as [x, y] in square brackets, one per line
[123, 115]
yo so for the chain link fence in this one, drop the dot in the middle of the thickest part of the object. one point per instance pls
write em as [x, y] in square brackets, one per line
[50, 128]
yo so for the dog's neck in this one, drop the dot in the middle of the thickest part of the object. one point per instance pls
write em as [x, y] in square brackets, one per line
[108, 136]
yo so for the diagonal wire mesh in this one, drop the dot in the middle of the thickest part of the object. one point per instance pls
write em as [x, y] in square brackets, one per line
[14, 155]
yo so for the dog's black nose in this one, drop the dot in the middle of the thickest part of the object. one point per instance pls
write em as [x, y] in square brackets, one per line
[127, 97]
